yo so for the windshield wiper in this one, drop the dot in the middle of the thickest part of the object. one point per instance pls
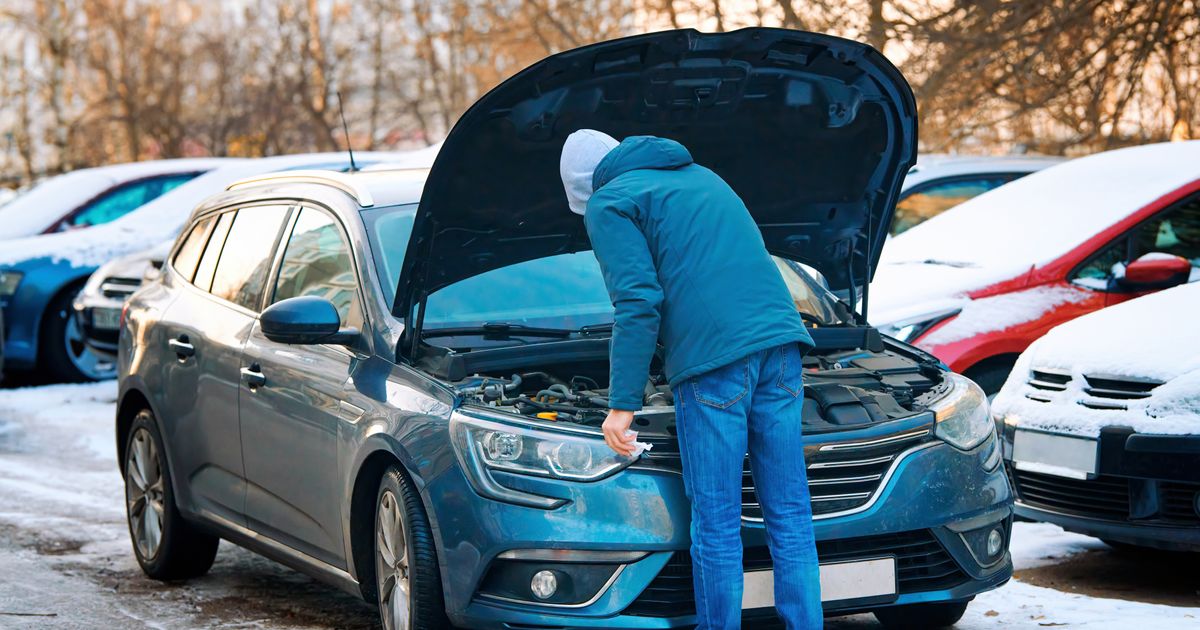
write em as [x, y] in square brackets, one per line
[595, 328]
[498, 330]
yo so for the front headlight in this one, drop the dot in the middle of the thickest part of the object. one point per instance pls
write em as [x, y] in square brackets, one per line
[962, 414]
[526, 450]
[909, 330]
[9, 281]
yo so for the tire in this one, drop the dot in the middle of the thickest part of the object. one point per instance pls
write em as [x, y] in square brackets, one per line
[921, 616]
[64, 358]
[181, 551]
[415, 577]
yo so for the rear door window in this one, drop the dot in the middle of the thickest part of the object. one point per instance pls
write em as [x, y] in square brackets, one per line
[188, 255]
[212, 252]
[246, 257]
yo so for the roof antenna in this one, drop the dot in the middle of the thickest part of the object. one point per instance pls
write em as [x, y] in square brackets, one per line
[346, 130]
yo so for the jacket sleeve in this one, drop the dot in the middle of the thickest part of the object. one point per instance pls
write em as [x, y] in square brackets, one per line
[632, 281]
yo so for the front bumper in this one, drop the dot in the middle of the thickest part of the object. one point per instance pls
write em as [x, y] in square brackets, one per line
[98, 318]
[929, 499]
[1146, 491]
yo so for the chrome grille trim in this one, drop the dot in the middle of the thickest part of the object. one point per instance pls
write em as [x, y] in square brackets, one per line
[851, 446]
[887, 477]
[840, 480]
[851, 463]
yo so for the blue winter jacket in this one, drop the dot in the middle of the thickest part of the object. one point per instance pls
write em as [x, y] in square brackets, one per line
[684, 263]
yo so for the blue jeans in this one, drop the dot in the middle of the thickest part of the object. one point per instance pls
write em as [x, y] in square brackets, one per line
[751, 405]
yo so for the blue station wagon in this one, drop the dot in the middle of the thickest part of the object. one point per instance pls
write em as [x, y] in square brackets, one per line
[394, 381]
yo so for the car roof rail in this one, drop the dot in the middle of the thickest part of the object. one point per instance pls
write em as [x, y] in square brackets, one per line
[334, 179]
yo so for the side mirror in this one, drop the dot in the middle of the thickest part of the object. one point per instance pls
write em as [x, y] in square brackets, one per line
[1156, 271]
[305, 320]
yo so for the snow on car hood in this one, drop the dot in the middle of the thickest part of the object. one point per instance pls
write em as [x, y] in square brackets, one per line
[814, 132]
[44, 205]
[1025, 224]
[161, 219]
[1153, 337]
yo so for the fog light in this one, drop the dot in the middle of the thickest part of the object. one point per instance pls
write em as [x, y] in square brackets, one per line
[544, 584]
[995, 542]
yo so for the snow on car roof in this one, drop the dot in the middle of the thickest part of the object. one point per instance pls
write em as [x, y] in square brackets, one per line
[40, 207]
[162, 218]
[936, 165]
[1040, 217]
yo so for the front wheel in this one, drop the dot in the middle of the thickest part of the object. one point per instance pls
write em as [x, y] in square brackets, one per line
[65, 355]
[166, 546]
[921, 616]
[407, 579]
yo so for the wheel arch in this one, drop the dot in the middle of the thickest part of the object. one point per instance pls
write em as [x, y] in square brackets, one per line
[132, 401]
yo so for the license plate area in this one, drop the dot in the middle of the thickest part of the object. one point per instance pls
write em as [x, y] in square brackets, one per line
[1052, 454]
[858, 581]
[106, 318]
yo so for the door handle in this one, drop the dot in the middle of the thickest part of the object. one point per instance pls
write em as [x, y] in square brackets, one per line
[183, 349]
[253, 376]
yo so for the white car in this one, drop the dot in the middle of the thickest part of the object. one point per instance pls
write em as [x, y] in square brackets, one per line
[938, 182]
[93, 196]
[1101, 423]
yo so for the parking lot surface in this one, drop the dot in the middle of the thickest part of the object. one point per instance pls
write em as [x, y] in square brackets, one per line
[65, 560]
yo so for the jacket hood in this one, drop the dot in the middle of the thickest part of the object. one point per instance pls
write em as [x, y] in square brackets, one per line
[581, 153]
[815, 133]
[640, 152]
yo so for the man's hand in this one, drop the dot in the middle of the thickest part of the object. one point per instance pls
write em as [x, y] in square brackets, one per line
[615, 426]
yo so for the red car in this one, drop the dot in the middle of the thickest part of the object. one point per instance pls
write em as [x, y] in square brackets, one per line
[977, 284]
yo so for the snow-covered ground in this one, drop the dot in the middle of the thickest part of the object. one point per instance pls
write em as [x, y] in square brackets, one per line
[65, 560]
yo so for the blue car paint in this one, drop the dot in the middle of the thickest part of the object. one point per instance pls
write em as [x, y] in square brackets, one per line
[24, 311]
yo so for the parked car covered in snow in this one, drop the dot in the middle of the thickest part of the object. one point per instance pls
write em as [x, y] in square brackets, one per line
[978, 283]
[938, 182]
[94, 196]
[44, 273]
[98, 306]
[1101, 423]
[405, 399]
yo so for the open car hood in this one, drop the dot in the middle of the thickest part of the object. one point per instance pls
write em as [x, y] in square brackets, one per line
[814, 132]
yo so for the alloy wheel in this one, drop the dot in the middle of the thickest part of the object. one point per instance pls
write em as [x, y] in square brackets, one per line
[392, 564]
[81, 356]
[144, 496]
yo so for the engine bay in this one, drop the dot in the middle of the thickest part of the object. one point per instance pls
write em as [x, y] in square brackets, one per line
[843, 387]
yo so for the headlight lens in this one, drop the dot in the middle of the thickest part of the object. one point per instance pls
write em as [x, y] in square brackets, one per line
[530, 451]
[908, 331]
[962, 414]
[9, 281]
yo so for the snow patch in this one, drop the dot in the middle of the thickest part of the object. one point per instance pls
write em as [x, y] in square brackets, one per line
[1001, 312]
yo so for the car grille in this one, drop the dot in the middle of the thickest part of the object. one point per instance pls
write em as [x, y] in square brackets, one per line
[1102, 391]
[1178, 502]
[120, 288]
[1104, 497]
[841, 476]
[922, 564]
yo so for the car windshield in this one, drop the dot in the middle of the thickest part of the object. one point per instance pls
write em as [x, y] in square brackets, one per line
[564, 292]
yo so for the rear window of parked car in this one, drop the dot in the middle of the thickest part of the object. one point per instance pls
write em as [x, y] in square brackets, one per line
[188, 255]
[122, 200]
[246, 256]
